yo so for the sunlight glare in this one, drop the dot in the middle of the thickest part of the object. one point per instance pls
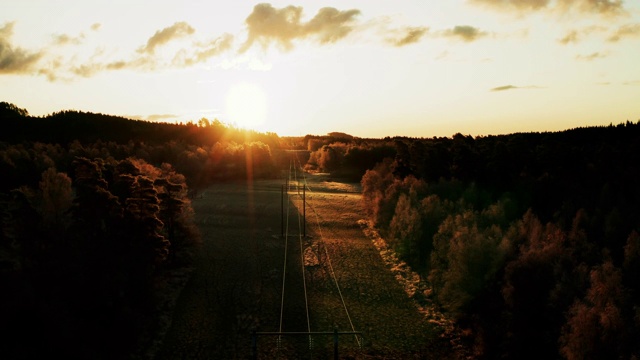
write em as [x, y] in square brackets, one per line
[246, 105]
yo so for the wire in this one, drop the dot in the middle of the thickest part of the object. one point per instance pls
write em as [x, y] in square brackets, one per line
[284, 270]
[333, 274]
[304, 281]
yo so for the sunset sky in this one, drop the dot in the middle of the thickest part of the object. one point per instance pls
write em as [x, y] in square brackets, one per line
[367, 68]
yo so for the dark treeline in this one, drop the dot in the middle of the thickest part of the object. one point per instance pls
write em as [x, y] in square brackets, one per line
[205, 152]
[530, 241]
[344, 155]
[97, 224]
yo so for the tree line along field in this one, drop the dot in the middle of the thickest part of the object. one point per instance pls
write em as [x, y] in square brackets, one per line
[513, 246]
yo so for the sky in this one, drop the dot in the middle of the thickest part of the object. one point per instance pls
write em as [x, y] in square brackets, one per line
[369, 68]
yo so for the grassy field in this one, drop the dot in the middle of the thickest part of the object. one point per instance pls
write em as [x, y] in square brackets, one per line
[236, 286]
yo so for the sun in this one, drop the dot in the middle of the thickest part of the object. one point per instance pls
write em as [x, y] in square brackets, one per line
[246, 105]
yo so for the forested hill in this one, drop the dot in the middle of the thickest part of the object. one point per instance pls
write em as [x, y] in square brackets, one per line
[96, 224]
[66, 126]
[529, 241]
[204, 152]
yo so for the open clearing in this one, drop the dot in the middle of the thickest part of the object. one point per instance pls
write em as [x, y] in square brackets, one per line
[237, 283]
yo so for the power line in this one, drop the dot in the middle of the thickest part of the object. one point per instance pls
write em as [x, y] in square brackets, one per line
[333, 274]
[304, 281]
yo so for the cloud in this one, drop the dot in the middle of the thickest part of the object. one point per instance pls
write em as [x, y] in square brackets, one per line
[15, 60]
[204, 51]
[514, 4]
[577, 35]
[177, 30]
[625, 31]
[330, 24]
[465, 33]
[634, 82]
[153, 117]
[92, 68]
[592, 56]
[160, 117]
[408, 35]
[96, 26]
[512, 87]
[64, 39]
[571, 37]
[503, 88]
[601, 7]
[267, 25]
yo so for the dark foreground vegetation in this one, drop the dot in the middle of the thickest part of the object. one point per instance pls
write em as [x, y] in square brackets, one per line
[97, 225]
[530, 241]
[96, 221]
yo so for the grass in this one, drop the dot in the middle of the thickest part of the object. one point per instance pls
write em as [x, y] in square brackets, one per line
[237, 282]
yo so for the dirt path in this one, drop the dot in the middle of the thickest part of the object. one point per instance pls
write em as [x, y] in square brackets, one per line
[237, 284]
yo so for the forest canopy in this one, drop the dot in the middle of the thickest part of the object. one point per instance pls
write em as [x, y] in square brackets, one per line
[97, 223]
[528, 240]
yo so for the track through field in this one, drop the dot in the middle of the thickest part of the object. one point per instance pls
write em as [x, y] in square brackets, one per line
[237, 283]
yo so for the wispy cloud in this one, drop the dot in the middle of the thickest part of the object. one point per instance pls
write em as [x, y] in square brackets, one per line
[571, 37]
[600, 7]
[160, 117]
[633, 82]
[576, 35]
[204, 51]
[465, 32]
[625, 31]
[64, 39]
[514, 4]
[175, 31]
[267, 25]
[592, 56]
[512, 87]
[15, 60]
[406, 36]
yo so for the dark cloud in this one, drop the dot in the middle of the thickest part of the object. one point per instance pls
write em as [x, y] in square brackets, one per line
[177, 30]
[15, 60]
[408, 36]
[465, 32]
[204, 51]
[512, 87]
[267, 25]
[592, 56]
[625, 31]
